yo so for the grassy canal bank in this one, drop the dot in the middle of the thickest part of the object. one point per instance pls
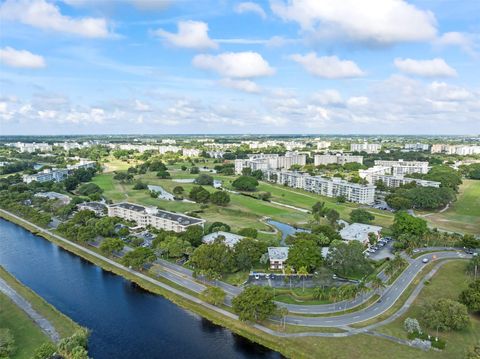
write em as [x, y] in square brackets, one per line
[27, 334]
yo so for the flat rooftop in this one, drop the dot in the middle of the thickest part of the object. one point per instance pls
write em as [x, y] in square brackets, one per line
[278, 253]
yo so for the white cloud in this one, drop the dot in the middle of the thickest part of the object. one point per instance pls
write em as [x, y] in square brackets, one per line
[21, 58]
[235, 64]
[191, 34]
[141, 106]
[329, 67]
[464, 41]
[328, 97]
[47, 16]
[244, 7]
[274, 120]
[382, 22]
[242, 85]
[357, 101]
[427, 68]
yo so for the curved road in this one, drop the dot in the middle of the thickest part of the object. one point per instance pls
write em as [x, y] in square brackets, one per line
[389, 297]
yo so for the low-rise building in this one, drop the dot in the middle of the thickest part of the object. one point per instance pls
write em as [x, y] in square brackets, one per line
[98, 208]
[82, 164]
[365, 147]
[191, 152]
[32, 147]
[265, 162]
[416, 146]
[277, 257]
[216, 154]
[321, 145]
[151, 216]
[338, 158]
[63, 198]
[359, 232]
[46, 175]
[230, 239]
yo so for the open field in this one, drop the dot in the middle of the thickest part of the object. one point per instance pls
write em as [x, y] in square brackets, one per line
[463, 215]
[449, 281]
[28, 336]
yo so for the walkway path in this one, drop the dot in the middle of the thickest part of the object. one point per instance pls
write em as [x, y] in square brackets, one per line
[25, 305]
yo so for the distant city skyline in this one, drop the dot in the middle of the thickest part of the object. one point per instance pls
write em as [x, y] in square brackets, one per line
[233, 67]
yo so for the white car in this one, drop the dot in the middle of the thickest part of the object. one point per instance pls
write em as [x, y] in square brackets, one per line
[425, 260]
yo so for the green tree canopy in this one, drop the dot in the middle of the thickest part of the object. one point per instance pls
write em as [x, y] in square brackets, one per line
[220, 198]
[445, 314]
[138, 257]
[245, 183]
[216, 257]
[254, 304]
[471, 296]
[213, 295]
[408, 225]
[360, 215]
[304, 253]
[347, 259]
[110, 245]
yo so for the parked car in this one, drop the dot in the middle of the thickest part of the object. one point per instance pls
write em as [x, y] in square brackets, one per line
[425, 260]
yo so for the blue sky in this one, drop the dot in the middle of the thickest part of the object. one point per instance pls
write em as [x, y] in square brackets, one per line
[280, 66]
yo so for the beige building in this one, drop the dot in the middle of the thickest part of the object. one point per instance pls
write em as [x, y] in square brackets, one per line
[338, 158]
[151, 216]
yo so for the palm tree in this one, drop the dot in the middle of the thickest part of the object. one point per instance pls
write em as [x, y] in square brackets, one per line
[303, 273]
[377, 284]
[362, 288]
[333, 294]
[283, 312]
[289, 272]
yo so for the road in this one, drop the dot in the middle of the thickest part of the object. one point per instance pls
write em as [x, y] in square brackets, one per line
[389, 297]
[42, 322]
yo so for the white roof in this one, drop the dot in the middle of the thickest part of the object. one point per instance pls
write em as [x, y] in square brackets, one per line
[278, 253]
[358, 231]
[230, 238]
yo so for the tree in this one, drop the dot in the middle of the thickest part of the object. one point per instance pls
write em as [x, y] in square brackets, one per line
[333, 216]
[45, 351]
[220, 198]
[473, 267]
[411, 325]
[111, 245]
[302, 273]
[213, 295]
[289, 271]
[377, 284]
[7, 343]
[139, 185]
[194, 170]
[245, 183]
[199, 194]
[319, 210]
[469, 241]
[445, 314]
[328, 231]
[247, 252]
[216, 257]
[194, 235]
[347, 259]
[248, 232]
[175, 247]
[471, 296]
[474, 353]
[254, 304]
[88, 189]
[138, 258]
[218, 226]
[304, 253]
[361, 215]
[204, 180]
[283, 312]
[372, 238]
[163, 174]
[70, 183]
[398, 202]
[178, 190]
[408, 225]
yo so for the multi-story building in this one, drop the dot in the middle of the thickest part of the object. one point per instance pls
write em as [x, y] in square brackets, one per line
[335, 187]
[461, 150]
[416, 146]
[164, 149]
[83, 164]
[216, 154]
[151, 216]
[321, 145]
[277, 257]
[55, 175]
[402, 167]
[191, 152]
[365, 147]
[338, 158]
[265, 162]
[397, 181]
[98, 208]
[32, 147]
[369, 173]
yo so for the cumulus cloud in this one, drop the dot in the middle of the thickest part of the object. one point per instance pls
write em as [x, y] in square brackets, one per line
[242, 85]
[235, 64]
[382, 22]
[464, 41]
[329, 67]
[191, 34]
[21, 58]
[426, 68]
[327, 97]
[47, 16]
[244, 7]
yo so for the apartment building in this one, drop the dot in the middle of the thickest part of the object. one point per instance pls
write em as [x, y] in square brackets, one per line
[416, 147]
[402, 167]
[338, 158]
[365, 147]
[83, 164]
[191, 152]
[55, 175]
[369, 173]
[277, 257]
[165, 149]
[334, 187]
[151, 216]
[397, 181]
[216, 154]
[31, 147]
[461, 150]
[265, 162]
[321, 145]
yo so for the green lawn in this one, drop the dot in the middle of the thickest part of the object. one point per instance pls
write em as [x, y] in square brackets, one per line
[464, 214]
[449, 281]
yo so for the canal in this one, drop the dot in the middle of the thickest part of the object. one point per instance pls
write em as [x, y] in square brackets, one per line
[125, 320]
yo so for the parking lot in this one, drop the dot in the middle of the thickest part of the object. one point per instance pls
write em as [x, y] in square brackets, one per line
[384, 250]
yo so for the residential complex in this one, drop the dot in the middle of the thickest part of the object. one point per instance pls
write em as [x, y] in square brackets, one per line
[461, 150]
[230, 239]
[365, 147]
[151, 216]
[277, 257]
[339, 159]
[416, 146]
[359, 232]
[191, 152]
[402, 167]
[31, 147]
[392, 176]
[334, 187]
[57, 174]
[98, 208]
[265, 162]
[321, 145]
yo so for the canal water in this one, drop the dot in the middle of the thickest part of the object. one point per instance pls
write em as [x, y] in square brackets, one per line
[126, 322]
